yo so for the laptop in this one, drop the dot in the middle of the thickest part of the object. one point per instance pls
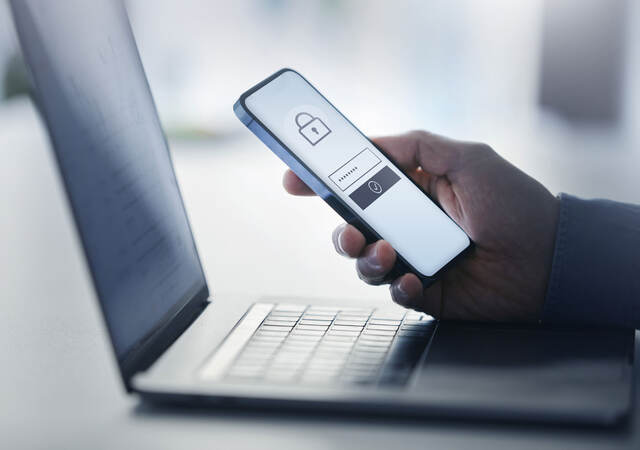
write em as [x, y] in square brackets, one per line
[175, 342]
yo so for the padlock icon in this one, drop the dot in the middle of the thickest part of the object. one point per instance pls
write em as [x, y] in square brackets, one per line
[311, 128]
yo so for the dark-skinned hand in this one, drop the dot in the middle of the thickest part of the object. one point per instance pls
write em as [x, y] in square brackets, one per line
[510, 216]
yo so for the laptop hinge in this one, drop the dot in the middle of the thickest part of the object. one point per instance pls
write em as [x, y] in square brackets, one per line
[154, 345]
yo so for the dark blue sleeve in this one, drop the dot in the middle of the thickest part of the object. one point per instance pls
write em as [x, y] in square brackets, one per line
[595, 275]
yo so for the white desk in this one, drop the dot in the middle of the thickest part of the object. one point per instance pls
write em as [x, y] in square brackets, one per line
[58, 382]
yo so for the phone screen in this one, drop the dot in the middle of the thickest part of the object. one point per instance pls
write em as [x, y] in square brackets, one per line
[357, 172]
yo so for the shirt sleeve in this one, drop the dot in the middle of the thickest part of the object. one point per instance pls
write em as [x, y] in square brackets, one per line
[595, 274]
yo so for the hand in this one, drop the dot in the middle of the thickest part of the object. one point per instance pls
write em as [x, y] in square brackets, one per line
[509, 215]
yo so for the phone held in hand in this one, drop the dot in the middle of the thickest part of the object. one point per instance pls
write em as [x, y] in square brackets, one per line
[355, 177]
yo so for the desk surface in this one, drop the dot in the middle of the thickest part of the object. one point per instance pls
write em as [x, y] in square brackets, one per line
[58, 384]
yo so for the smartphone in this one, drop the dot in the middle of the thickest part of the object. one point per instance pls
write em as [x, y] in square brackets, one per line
[355, 177]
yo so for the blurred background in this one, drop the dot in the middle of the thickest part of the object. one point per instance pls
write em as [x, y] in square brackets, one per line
[554, 86]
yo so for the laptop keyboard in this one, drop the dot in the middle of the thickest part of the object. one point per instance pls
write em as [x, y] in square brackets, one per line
[322, 345]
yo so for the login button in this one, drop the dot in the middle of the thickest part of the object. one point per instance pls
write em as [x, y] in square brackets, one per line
[374, 187]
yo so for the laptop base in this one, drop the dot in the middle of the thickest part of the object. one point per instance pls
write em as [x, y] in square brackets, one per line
[474, 371]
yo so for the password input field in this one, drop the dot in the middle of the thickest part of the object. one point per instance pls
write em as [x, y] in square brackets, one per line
[354, 169]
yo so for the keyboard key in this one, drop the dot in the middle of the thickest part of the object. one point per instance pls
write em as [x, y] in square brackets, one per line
[353, 317]
[367, 357]
[324, 355]
[364, 364]
[358, 323]
[299, 347]
[418, 323]
[287, 366]
[378, 315]
[299, 362]
[312, 327]
[281, 320]
[341, 336]
[315, 322]
[290, 360]
[320, 313]
[307, 332]
[373, 332]
[382, 327]
[355, 312]
[327, 361]
[334, 342]
[269, 327]
[332, 352]
[357, 328]
[370, 349]
[303, 339]
[289, 314]
[376, 338]
[324, 366]
[395, 323]
[333, 332]
[304, 336]
[333, 349]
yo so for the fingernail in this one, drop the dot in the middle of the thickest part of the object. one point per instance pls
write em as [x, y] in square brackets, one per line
[371, 260]
[337, 239]
[398, 293]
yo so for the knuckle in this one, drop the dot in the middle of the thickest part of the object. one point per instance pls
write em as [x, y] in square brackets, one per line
[420, 135]
[482, 149]
[477, 152]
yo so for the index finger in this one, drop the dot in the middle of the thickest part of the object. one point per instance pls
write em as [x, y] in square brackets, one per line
[435, 154]
[294, 185]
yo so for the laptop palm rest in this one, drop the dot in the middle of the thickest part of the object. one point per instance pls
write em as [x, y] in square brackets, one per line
[567, 373]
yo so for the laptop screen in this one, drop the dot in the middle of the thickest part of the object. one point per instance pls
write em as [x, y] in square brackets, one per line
[113, 157]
